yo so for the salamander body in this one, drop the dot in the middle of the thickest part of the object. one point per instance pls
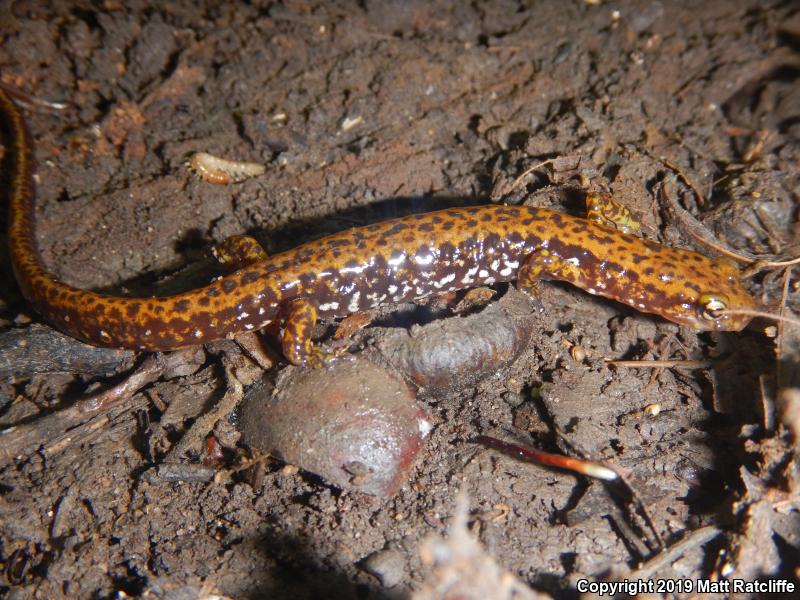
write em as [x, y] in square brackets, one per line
[361, 268]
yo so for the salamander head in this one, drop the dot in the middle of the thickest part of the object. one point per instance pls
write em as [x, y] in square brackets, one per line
[715, 307]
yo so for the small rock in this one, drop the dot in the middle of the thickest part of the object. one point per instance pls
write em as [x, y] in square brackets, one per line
[388, 565]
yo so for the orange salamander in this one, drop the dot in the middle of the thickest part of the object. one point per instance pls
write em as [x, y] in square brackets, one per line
[395, 261]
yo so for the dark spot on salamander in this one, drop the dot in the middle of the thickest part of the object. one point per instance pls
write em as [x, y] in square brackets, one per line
[211, 292]
[514, 237]
[335, 243]
[601, 239]
[426, 227]
[486, 217]
[133, 309]
[204, 301]
[692, 286]
[228, 285]
[649, 287]
[649, 271]
[637, 258]
[437, 219]
[249, 277]
[654, 246]
[447, 225]
[398, 227]
[182, 306]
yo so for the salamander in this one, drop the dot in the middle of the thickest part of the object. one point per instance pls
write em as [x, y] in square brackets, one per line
[361, 268]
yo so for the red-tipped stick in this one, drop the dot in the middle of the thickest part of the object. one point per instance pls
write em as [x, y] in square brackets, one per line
[589, 468]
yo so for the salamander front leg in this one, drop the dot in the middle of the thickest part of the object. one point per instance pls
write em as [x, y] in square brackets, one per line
[531, 272]
[603, 209]
[238, 251]
[298, 348]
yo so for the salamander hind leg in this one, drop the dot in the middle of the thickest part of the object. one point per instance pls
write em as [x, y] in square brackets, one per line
[239, 251]
[296, 342]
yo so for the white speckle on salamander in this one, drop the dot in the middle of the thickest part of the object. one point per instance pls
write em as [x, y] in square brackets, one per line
[354, 302]
[468, 277]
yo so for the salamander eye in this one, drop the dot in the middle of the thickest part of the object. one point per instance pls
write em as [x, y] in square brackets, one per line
[710, 305]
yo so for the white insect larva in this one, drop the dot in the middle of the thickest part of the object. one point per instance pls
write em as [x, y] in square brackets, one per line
[222, 171]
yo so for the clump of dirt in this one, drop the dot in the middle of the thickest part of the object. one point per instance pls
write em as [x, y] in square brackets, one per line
[375, 110]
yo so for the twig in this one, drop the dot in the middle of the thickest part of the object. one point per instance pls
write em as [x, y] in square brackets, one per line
[698, 537]
[205, 423]
[21, 440]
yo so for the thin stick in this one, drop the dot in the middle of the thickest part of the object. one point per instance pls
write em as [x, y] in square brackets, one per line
[686, 364]
[779, 341]
[758, 313]
[527, 172]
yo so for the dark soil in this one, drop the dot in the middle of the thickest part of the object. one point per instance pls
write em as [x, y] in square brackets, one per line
[363, 111]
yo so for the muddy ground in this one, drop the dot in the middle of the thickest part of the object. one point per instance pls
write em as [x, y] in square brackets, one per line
[363, 111]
